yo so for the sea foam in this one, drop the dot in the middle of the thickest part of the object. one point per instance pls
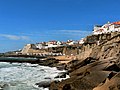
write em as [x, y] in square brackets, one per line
[24, 76]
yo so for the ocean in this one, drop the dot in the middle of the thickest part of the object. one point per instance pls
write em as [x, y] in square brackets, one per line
[24, 76]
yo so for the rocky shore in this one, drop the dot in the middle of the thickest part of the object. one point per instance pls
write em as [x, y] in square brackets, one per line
[97, 66]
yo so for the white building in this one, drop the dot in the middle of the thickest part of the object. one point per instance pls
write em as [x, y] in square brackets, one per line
[54, 44]
[81, 41]
[71, 42]
[107, 28]
[48, 44]
[41, 46]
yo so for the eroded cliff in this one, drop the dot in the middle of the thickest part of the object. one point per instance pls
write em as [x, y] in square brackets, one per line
[97, 66]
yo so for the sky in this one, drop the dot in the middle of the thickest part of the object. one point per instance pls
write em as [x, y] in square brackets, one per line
[33, 21]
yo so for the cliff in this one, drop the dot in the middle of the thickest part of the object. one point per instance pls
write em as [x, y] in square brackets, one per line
[97, 66]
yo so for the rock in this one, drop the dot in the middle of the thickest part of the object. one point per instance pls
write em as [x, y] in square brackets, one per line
[113, 67]
[67, 87]
[86, 82]
[44, 84]
[76, 64]
[47, 78]
[110, 84]
[54, 85]
[61, 66]
[49, 62]
[94, 65]
[61, 75]
[4, 86]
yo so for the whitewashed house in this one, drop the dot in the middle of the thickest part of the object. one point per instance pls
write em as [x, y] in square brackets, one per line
[71, 42]
[59, 43]
[41, 46]
[107, 28]
[81, 41]
[54, 44]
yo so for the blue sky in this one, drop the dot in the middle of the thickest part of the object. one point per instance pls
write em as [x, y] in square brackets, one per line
[31, 21]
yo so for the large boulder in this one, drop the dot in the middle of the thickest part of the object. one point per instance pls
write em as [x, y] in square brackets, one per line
[110, 84]
[44, 84]
[84, 82]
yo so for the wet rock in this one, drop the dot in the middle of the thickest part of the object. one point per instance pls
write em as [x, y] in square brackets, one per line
[49, 62]
[53, 85]
[61, 75]
[61, 66]
[47, 78]
[4, 86]
[67, 87]
[44, 84]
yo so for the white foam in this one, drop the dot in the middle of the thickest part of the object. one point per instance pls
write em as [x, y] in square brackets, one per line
[24, 76]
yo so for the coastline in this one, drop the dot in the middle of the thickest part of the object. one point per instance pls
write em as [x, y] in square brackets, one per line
[94, 65]
[28, 75]
[97, 67]
[43, 62]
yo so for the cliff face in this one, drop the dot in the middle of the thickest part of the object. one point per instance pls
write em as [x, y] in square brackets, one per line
[30, 49]
[97, 67]
[96, 42]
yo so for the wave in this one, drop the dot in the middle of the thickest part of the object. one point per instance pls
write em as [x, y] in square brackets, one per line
[23, 76]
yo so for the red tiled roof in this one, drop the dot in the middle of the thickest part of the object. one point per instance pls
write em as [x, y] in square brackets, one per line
[118, 23]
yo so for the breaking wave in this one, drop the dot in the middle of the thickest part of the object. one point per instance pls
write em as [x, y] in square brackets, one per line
[24, 76]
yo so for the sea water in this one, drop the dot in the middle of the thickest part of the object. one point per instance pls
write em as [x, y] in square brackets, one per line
[24, 76]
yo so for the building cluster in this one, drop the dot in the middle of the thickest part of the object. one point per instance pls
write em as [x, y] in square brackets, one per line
[107, 28]
[98, 29]
[45, 45]
[34, 48]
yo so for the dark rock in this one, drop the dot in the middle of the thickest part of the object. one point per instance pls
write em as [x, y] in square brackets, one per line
[67, 87]
[61, 66]
[54, 85]
[49, 62]
[113, 67]
[4, 86]
[43, 84]
[61, 75]
[47, 78]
